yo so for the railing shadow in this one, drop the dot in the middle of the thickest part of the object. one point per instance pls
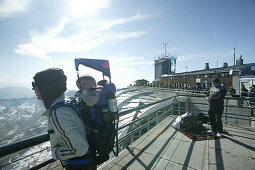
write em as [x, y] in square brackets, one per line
[218, 155]
[230, 132]
[161, 150]
[244, 137]
[187, 159]
[240, 143]
[243, 128]
[136, 157]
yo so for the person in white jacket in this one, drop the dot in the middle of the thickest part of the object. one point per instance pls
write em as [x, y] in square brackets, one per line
[67, 131]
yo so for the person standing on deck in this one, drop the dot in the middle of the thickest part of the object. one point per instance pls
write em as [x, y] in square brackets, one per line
[215, 98]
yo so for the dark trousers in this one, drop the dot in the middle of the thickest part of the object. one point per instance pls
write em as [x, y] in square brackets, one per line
[215, 115]
[80, 167]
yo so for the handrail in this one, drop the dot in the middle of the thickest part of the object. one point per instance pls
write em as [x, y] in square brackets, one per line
[144, 125]
[15, 147]
[26, 143]
[144, 106]
[137, 120]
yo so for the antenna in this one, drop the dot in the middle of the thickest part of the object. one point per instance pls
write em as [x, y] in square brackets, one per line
[234, 55]
[165, 43]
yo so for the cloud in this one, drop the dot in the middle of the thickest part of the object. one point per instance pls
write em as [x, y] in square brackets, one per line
[31, 49]
[44, 44]
[123, 35]
[103, 25]
[9, 8]
[83, 8]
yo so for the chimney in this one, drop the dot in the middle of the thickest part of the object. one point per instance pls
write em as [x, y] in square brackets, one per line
[206, 65]
[239, 61]
[225, 64]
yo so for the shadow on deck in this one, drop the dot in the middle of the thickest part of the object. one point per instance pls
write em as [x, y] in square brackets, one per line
[165, 148]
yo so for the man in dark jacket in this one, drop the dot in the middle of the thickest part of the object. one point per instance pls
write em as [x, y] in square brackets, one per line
[216, 106]
[68, 136]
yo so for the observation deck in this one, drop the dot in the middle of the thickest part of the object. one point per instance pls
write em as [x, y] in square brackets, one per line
[163, 147]
[148, 141]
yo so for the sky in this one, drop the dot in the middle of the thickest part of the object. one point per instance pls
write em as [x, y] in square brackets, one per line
[36, 35]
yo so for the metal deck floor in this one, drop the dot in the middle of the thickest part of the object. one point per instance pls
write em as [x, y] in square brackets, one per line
[165, 148]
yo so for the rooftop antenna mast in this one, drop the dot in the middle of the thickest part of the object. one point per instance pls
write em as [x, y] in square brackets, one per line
[165, 43]
[234, 54]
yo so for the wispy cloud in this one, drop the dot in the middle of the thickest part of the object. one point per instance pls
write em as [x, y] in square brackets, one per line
[42, 45]
[103, 25]
[9, 8]
[88, 36]
[83, 8]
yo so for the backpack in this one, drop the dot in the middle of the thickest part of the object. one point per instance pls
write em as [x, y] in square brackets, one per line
[191, 122]
[101, 124]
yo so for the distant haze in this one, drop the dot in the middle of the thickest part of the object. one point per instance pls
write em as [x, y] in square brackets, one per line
[23, 92]
[16, 92]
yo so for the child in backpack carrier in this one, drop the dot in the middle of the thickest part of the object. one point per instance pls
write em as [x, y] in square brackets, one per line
[99, 121]
[88, 91]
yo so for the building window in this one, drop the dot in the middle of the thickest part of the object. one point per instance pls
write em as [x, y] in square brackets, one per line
[222, 74]
[205, 76]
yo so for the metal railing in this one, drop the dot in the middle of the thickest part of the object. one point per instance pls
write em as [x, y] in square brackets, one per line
[9, 149]
[237, 111]
[152, 114]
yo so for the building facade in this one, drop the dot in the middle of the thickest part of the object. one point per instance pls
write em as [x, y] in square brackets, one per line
[164, 65]
[234, 76]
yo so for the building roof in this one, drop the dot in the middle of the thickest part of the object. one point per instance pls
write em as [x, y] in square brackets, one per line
[141, 80]
[245, 69]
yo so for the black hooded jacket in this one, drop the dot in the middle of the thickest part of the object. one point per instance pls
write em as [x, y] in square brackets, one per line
[51, 84]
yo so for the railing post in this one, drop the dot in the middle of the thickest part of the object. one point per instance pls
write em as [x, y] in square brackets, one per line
[186, 107]
[140, 131]
[179, 108]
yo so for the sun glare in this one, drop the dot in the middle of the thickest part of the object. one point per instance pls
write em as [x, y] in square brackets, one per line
[82, 8]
